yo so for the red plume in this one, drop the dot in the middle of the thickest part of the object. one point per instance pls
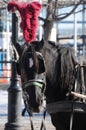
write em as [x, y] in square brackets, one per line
[29, 17]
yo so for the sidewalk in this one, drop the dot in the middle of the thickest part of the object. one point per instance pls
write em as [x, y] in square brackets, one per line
[26, 123]
[37, 118]
[4, 86]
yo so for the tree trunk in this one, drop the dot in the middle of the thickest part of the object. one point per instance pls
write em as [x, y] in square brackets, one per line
[48, 30]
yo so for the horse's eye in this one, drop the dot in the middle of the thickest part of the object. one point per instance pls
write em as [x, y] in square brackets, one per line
[30, 62]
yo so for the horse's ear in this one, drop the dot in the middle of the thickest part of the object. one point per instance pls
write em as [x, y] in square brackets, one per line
[38, 44]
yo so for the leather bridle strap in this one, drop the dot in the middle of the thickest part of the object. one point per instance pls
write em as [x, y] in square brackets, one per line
[42, 127]
[35, 83]
[39, 83]
[43, 121]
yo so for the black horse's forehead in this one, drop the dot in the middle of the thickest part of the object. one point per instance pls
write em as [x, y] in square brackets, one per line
[28, 48]
[31, 61]
[28, 53]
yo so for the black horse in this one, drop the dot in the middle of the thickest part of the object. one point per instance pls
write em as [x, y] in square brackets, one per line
[62, 69]
[31, 69]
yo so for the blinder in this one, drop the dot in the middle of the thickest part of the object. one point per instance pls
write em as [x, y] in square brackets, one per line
[41, 63]
[41, 68]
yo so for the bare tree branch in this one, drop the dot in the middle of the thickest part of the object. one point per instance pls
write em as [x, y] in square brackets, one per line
[66, 15]
[56, 7]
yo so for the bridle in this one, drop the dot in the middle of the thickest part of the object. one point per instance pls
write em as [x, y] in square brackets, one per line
[38, 83]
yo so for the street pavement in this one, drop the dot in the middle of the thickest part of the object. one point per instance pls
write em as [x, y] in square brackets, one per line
[25, 121]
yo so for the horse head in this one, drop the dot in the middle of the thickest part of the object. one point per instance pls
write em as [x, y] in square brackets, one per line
[31, 69]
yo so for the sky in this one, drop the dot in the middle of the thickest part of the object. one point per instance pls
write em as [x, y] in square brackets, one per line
[71, 17]
[68, 28]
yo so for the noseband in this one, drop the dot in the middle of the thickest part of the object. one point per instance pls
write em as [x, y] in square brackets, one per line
[34, 82]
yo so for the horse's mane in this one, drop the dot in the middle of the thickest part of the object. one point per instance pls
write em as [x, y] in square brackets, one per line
[68, 63]
[66, 66]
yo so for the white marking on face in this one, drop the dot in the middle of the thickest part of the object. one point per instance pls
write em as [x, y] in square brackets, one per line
[30, 62]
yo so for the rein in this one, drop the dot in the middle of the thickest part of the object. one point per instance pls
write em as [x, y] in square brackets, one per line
[42, 123]
[31, 115]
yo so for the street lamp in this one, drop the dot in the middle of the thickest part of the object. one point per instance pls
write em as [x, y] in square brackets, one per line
[14, 90]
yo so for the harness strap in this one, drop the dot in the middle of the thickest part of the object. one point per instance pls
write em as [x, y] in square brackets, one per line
[71, 118]
[43, 121]
[66, 106]
[31, 122]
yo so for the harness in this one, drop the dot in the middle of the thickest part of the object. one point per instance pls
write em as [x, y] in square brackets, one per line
[71, 106]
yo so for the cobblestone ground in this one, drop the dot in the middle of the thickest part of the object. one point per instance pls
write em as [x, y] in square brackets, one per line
[26, 123]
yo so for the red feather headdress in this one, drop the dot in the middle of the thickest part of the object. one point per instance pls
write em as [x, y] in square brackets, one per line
[29, 17]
